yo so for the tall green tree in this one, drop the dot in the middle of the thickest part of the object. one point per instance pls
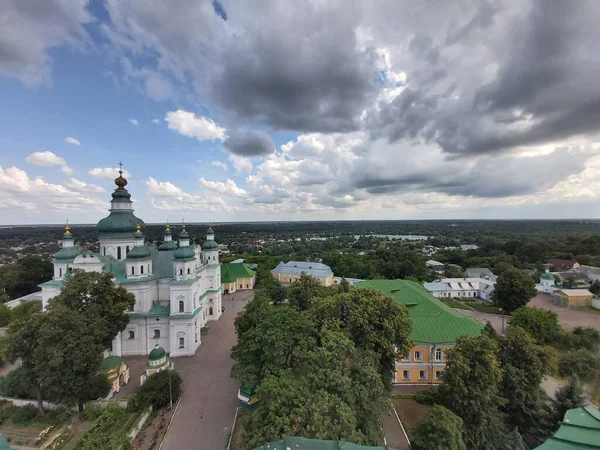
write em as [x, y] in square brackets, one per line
[440, 429]
[304, 290]
[253, 313]
[567, 397]
[344, 285]
[513, 290]
[473, 378]
[523, 369]
[540, 324]
[95, 295]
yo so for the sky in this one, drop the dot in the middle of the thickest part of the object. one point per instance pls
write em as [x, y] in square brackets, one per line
[237, 110]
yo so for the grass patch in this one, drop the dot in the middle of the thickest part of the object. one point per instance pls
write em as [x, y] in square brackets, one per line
[410, 412]
[489, 309]
[237, 438]
[454, 304]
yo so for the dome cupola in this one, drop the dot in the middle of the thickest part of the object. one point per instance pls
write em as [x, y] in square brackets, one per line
[168, 243]
[184, 252]
[139, 251]
[210, 243]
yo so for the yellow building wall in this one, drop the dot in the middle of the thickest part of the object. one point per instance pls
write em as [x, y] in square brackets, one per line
[245, 283]
[229, 288]
[425, 363]
[575, 301]
[289, 278]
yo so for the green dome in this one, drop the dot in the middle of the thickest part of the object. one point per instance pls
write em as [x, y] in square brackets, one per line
[547, 276]
[184, 253]
[210, 245]
[111, 362]
[156, 354]
[67, 254]
[139, 253]
[119, 224]
[165, 246]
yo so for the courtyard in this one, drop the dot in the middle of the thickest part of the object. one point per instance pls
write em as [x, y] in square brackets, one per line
[568, 318]
[204, 417]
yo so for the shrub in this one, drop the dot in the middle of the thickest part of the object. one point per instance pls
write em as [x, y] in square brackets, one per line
[579, 362]
[16, 385]
[541, 325]
[24, 415]
[427, 397]
[155, 391]
[582, 337]
[92, 411]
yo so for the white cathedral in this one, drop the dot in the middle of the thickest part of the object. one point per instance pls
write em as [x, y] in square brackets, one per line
[177, 288]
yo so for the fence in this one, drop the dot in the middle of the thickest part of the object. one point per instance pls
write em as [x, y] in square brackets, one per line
[21, 402]
[140, 424]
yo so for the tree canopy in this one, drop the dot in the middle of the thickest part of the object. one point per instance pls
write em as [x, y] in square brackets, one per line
[440, 429]
[513, 290]
[541, 324]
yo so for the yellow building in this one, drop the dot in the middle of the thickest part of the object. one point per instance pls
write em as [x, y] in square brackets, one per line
[236, 276]
[117, 372]
[574, 298]
[292, 270]
[436, 327]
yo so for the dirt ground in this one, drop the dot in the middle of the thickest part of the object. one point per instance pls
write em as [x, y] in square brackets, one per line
[568, 318]
[410, 412]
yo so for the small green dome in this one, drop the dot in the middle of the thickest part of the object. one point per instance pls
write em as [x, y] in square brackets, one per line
[210, 245]
[111, 362]
[67, 254]
[156, 354]
[139, 253]
[547, 276]
[165, 246]
[184, 253]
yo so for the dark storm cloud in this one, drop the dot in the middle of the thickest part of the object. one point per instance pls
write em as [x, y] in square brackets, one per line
[505, 176]
[249, 143]
[545, 87]
[306, 77]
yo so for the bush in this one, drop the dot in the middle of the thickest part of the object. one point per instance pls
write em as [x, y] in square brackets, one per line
[427, 397]
[24, 415]
[579, 362]
[582, 337]
[16, 385]
[92, 411]
[541, 325]
[155, 391]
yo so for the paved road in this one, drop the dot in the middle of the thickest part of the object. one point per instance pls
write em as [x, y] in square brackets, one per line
[209, 400]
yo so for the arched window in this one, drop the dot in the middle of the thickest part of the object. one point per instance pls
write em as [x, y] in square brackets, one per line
[118, 252]
[210, 311]
[131, 334]
[180, 271]
[127, 250]
[60, 272]
[439, 355]
[103, 251]
[156, 334]
[181, 342]
[142, 270]
[132, 270]
[189, 270]
[181, 306]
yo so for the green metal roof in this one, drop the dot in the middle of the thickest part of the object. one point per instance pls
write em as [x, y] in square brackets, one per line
[299, 443]
[580, 429]
[231, 272]
[159, 310]
[210, 245]
[111, 362]
[139, 253]
[67, 254]
[184, 253]
[547, 276]
[165, 246]
[157, 354]
[433, 321]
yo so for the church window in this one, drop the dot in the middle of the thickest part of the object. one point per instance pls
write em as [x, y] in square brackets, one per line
[189, 270]
[210, 311]
[196, 336]
[142, 270]
[132, 270]
[127, 250]
[181, 306]
[103, 251]
[148, 268]
[180, 271]
[118, 252]
[60, 272]
[131, 335]
[181, 342]
[156, 334]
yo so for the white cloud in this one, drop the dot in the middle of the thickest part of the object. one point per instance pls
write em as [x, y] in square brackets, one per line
[49, 159]
[166, 196]
[107, 172]
[81, 186]
[13, 203]
[134, 122]
[220, 164]
[156, 121]
[240, 163]
[72, 141]
[24, 192]
[187, 124]
[158, 88]
[45, 159]
[228, 187]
